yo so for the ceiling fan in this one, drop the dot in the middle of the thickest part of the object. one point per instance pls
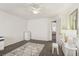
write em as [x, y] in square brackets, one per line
[35, 8]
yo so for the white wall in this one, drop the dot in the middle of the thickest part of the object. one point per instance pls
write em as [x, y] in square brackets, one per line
[11, 28]
[39, 29]
[58, 29]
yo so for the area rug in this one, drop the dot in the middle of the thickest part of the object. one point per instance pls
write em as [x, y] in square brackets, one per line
[28, 49]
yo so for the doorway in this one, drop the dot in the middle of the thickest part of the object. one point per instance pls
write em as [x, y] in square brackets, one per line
[54, 31]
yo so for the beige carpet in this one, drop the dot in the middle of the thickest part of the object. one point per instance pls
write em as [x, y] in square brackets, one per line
[29, 49]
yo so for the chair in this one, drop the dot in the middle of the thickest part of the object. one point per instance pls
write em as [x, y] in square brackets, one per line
[70, 50]
[68, 47]
[55, 45]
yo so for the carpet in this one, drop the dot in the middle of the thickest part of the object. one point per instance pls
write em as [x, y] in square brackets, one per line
[28, 49]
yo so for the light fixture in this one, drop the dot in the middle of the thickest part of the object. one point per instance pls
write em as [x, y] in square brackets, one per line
[36, 11]
[35, 8]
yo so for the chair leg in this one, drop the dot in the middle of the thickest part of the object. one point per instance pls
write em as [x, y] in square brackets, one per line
[52, 50]
[66, 52]
[57, 51]
[74, 53]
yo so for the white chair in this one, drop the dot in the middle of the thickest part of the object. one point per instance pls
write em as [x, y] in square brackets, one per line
[55, 45]
[70, 50]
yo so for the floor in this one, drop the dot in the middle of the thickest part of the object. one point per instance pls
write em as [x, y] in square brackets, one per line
[46, 51]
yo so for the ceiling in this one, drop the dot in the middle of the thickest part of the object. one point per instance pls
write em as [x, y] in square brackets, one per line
[24, 10]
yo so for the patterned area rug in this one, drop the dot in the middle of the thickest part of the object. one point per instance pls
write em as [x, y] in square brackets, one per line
[29, 49]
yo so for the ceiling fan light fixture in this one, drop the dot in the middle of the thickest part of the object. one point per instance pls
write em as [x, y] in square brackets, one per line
[35, 8]
[36, 11]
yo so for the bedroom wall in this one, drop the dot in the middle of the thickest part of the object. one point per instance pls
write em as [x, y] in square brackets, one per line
[39, 29]
[12, 28]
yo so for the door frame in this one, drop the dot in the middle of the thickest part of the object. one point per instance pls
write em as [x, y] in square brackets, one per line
[58, 27]
[50, 28]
